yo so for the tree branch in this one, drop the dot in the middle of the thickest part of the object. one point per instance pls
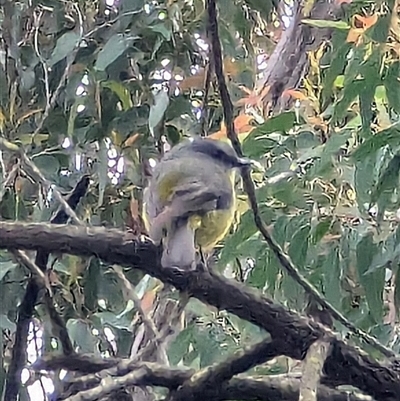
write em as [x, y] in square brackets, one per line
[312, 370]
[265, 388]
[114, 246]
[207, 382]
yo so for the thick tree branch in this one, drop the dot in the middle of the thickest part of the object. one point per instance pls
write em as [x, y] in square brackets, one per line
[299, 333]
[289, 62]
[312, 370]
[152, 374]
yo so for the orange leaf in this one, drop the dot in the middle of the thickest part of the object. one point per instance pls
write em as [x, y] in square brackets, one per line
[194, 81]
[131, 140]
[242, 120]
[361, 24]
[19, 184]
[242, 126]
[134, 208]
[366, 22]
[354, 35]
[230, 66]
[295, 94]
[254, 96]
[316, 120]
[147, 301]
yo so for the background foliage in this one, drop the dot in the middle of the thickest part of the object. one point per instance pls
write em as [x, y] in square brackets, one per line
[102, 88]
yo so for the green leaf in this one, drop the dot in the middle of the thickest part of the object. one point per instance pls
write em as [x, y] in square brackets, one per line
[389, 136]
[352, 84]
[5, 267]
[337, 61]
[364, 179]
[281, 123]
[258, 147]
[321, 229]
[178, 106]
[114, 48]
[158, 108]
[245, 230]
[121, 91]
[173, 134]
[128, 10]
[81, 334]
[299, 246]
[90, 284]
[373, 283]
[392, 86]
[65, 45]
[207, 346]
[397, 291]
[163, 29]
[258, 142]
[180, 346]
[388, 181]
[6, 324]
[371, 74]
[123, 322]
[332, 273]
[48, 165]
[102, 170]
[318, 23]
[379, 32]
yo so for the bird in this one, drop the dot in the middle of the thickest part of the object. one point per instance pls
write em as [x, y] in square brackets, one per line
[190, 200]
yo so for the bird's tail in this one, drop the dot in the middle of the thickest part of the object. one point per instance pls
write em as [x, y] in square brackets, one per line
[179, 248]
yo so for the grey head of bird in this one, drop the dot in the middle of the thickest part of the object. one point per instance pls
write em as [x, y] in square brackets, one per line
[215, 150]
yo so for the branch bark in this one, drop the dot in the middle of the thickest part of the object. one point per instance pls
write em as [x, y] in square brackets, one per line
[289, 62]
[273, 388]
[114, 246]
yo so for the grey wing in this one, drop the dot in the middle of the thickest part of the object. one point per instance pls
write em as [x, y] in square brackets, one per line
[209, 190]
[205, 189]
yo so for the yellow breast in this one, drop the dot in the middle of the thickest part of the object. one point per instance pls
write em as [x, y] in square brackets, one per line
[212, 227]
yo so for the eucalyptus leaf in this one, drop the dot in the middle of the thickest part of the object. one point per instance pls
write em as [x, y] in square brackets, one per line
[81, 334]
[114, 48]
[65, 45]
[373, 283]
[102, 171]
[326, 23]
[158, 108]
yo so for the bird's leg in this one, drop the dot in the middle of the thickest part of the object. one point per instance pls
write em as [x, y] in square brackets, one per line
[160, 223]
[203, 261]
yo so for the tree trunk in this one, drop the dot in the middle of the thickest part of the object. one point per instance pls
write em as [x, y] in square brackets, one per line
[289, 62]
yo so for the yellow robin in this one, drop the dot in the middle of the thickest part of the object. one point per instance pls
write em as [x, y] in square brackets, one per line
[190, 200]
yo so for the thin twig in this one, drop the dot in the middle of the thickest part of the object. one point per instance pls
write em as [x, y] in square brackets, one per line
[89, 34]
[148, 322]
[124, 366]
[41, 59]
[207, 84]
[37, 175]
[42, 279]
[249, 187]
[9, 179]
